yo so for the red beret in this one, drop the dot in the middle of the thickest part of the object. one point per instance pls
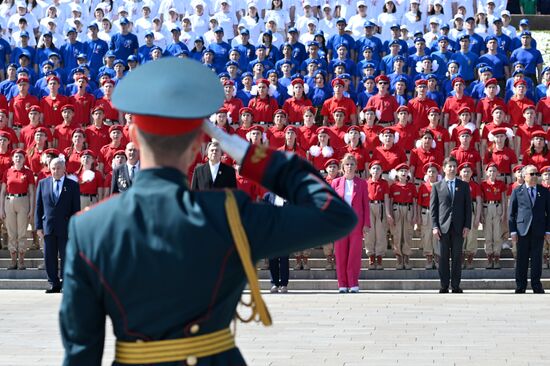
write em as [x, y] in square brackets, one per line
[79, 130]
[464, 131]
[354, 128]
[499, 131]
[369, 109]
[402, 166]
[88, 152]
[51, 151]
[380, 78]
[5, 134]
[421, 82]
[53, 77]
[115, 128]
[337, 81]
[491, 81]
[82, 77]
[458, 79]
[17, 151]
[23, 79]
[297, 81]
[520, 82]
[280, 111]
[492, 164]
[108, 81]
[545, 169]
[67, 106]
[229, 82]
[292, 128]
[41, 129]
[339, 109]
[498, 107]
[98, 108]
[222, 110]
[387, 130]
[331, 162]
[431, 165]
[538, 134]
[324, 130]
[4, 112]
[120, 152]
[34, 108]
[464, 110]
[262, 81]
[465, 165]
[309, 108]
[402, 108]
[375, 162]
[530, 106]
[245, 110]
[256, 128]
[517, 167]
[434, 110]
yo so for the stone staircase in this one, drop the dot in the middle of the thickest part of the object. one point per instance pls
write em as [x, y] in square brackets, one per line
[320, 279]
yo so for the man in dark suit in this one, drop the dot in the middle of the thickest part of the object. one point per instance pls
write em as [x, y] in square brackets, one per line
[451, 210]
[124, 174]
[57, 199]
[213, 174]
[529, 221]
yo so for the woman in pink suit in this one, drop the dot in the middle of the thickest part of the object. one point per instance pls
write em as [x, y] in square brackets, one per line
[348, 250]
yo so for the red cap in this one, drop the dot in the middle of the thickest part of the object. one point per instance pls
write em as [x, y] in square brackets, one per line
[120, 152]
[262, 81]
[464, 110]
[538, 134]
[402, 166]
[292, 128]
[498, 107]
[381, 78]
[5, 134]
[339, 109]
[229, 82]
[4, 112]
[375, 162]
[465, 165]
[34, 108]
[331, 162]
[115, 128]
[309, 108]
[431, 165]
[67, 106]
[499, 131]
[520, 82]
[17, 151]
[80, 77]
[530, 106]
[464, 131]
[108, 81]
[545, 169]
[491, 81]
[88, 152]
[421, 82]
[323, 129]
[53, 77]
[492, 164]
[402, 108]
[297, 81]
[41, 129]
[354, 128]
[222, 110]
[23, 79]
[280, 111]
[51, 151]
[337, 81]
[434, 110]
[458, 79]
[387, 130]
[245, 110]
[517, 167]
[79, 130]
[98, 108]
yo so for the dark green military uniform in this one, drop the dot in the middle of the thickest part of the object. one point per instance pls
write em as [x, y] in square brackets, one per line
[160, 261]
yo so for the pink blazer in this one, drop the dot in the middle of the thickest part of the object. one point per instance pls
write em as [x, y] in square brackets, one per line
[359, 201]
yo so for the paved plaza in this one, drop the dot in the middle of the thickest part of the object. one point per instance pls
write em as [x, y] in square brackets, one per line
[382, 328]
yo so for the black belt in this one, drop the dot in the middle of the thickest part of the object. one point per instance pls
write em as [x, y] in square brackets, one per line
[88, 195]
[17, 127]
[490, 202]
[376, 201]
[16, 195]
[384, 123]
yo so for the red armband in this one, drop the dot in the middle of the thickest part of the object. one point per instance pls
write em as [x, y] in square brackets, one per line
[255, 162]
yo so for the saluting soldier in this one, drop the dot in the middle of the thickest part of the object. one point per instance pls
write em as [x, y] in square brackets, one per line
[198, 247]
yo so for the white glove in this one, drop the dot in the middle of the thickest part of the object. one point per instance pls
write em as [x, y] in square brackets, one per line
[235, 146]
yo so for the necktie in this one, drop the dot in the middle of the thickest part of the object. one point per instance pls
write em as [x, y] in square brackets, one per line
[57, 188]
[132, 172]
[451, 189]
[532, 193]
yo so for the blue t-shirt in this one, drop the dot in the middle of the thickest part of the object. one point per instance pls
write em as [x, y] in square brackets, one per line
[96, 51]
[466, 61]
[529, 57]
[299, 52]
[221, 54]
[336, 40]
[68, 53]
[175, 48]
[374, 42]
[124, 45]
[17, 51]
[497, 62]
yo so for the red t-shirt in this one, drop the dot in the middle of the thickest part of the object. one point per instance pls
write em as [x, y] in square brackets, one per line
[466, 156]
[73, 160]
[419, 111]
[515, 110]
[456, 138]
[475, 190]
[372, 137]
[322, 157]
[276, 137]
[263, 109]
[295, 108]
[96, 138]
[387, 105]
[389, 158]
[360, 153]
[403, 193]
[420, 157]
[308, 136]
[82, 108]
[298, 151]
[485, 108]
[90, 186]
[424, 192]
[108, 108]
[539, 160]
[63, 134]
[453, 105]
[511, 187]
[504, 159]
[107, 155]
[33, 158]
[407, 136]
[18, 181]
[378, 189]
[13, 136]
[27, 135]
[332, 103]
[493, 191]
[5, 162]
[19, 106]
[524, 132]
[233, 105]
[51, 109]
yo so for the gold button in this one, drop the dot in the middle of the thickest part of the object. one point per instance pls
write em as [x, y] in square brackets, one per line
[192, 360]
[195, 329]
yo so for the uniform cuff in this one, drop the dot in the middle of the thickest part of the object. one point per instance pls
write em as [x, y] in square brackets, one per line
[255, 162]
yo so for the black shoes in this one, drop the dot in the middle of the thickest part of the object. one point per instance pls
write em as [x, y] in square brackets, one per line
[538, 291]
[443, 290]
[520, 291]
[54, 290]
[457, 290]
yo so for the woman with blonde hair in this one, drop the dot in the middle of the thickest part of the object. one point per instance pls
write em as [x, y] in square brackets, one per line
[354, 191]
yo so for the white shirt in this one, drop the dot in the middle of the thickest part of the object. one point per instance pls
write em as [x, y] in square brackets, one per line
[214, 170]
[348, 191]
[54, 184]
[136, 169]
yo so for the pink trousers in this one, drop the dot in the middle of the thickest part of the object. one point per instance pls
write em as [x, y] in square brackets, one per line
[348, 259]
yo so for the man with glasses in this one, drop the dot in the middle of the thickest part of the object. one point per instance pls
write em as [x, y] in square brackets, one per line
[529, 222]
[383, 101]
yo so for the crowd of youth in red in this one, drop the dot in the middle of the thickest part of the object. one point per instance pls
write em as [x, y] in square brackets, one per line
[379, 100]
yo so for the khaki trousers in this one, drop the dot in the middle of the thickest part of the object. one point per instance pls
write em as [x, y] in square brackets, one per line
[328, 249]
[428, 241]
[492, 213]
[402, 231]
[86, 201]
[304, 253]
[376, 240]
[470, 243]
[17, 219]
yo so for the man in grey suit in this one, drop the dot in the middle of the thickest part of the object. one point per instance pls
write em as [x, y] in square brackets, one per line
[529, 221]
[451, 210]
[123, 175]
